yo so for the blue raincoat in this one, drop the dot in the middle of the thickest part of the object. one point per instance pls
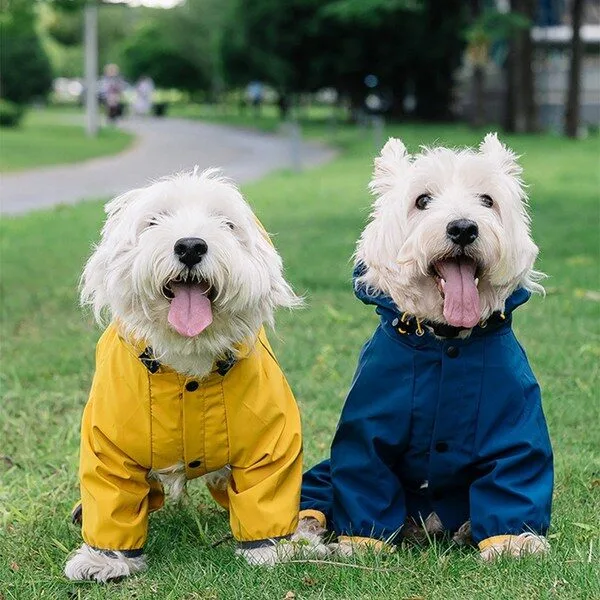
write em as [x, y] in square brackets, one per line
[451, 426]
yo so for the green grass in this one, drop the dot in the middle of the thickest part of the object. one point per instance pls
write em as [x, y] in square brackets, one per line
[55, 136]
[47, 362]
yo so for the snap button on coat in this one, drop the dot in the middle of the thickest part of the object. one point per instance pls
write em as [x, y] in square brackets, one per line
[452, 352]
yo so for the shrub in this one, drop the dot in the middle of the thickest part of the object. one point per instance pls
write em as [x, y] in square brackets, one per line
[10, 113]
[25, 72]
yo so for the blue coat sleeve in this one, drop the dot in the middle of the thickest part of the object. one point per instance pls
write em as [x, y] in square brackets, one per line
[367, 496]
[513, 493]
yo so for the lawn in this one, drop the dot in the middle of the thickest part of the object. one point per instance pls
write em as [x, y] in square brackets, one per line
[55, 136]
[47, 361]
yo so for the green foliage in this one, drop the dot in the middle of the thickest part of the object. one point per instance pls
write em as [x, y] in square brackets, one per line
[179, 47]
[65, 26]
[303, 45]
[25, 71]
[10, 113]
[152, 51]
[494, 26]
[373, 11]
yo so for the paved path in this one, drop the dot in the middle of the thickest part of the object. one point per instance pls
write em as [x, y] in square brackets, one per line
[163, 146]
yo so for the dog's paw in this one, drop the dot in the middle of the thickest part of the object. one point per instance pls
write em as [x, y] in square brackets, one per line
[308, 538]
[463, 536]
[87, 563]
[513, 545]
[268, 555]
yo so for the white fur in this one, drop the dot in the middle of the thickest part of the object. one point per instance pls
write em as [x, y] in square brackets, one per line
[88, 563]
[307, 541]
[125, 275]
[401, 242]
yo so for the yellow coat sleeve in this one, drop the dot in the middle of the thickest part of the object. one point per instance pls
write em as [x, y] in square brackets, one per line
[264, 492]
[115, 494]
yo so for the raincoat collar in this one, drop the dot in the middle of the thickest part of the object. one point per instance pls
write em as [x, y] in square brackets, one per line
[405, 323]
[145, 354]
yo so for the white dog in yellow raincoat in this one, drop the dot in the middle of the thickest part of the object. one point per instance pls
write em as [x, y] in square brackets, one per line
[186, 383]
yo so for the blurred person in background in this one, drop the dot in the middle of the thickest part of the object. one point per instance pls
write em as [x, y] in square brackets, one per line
[112, 87]
[143, 95]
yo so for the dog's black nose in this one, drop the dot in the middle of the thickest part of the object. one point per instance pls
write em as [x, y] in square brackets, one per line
[190, 250]
[462, 231]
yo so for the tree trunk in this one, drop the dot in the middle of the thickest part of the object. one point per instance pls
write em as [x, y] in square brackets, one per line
[478, 96]
[521, 109]
[510, 68]
[573, 92]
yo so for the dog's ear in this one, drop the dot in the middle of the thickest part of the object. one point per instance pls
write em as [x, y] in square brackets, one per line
[391, 163]
[280, 293]
[507, 160]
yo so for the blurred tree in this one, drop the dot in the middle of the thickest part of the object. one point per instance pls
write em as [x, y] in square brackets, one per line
[301, 45]
[180, 47]
[25, 71]
[573, 93]
[489, 27]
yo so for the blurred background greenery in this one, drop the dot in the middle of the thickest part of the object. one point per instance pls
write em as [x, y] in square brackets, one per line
[509, 62]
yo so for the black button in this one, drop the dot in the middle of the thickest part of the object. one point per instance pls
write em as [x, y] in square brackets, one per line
[192, 386]
[452, 351]
[194, 464]
[441, 447]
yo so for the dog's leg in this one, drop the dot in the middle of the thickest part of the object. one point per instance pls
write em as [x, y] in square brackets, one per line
[462, 537]
[516, 546]
[102, 565]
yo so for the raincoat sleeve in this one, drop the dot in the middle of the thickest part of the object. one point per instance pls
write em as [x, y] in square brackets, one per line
[514, 493]
[368, 500]
[115, 494]
[264, 491]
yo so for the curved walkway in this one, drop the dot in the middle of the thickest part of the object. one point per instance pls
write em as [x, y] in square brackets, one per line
[163, 146]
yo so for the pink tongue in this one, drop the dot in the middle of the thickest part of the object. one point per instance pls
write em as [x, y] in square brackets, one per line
[191, 311]
[461, 298]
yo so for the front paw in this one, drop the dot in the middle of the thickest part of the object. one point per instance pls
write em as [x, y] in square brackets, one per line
[309, 536]
[513, 545]
[87, 563]
[267, 555]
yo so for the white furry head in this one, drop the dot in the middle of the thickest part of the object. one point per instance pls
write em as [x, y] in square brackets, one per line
[449, 236]
[231, 271]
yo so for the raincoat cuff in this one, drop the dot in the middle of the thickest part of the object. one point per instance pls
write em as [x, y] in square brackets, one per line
[495, 539]
[311, 513]
[113, 553]
[366, 542]
[251, 544]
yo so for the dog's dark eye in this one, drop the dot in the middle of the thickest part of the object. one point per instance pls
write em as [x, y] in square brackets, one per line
[486, 200]
[423, 201]
[230, 224]
[152, 222]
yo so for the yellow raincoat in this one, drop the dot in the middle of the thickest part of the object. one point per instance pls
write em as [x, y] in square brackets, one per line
[142, 416]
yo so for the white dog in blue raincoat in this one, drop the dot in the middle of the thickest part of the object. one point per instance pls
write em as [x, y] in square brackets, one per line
[443, 427]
